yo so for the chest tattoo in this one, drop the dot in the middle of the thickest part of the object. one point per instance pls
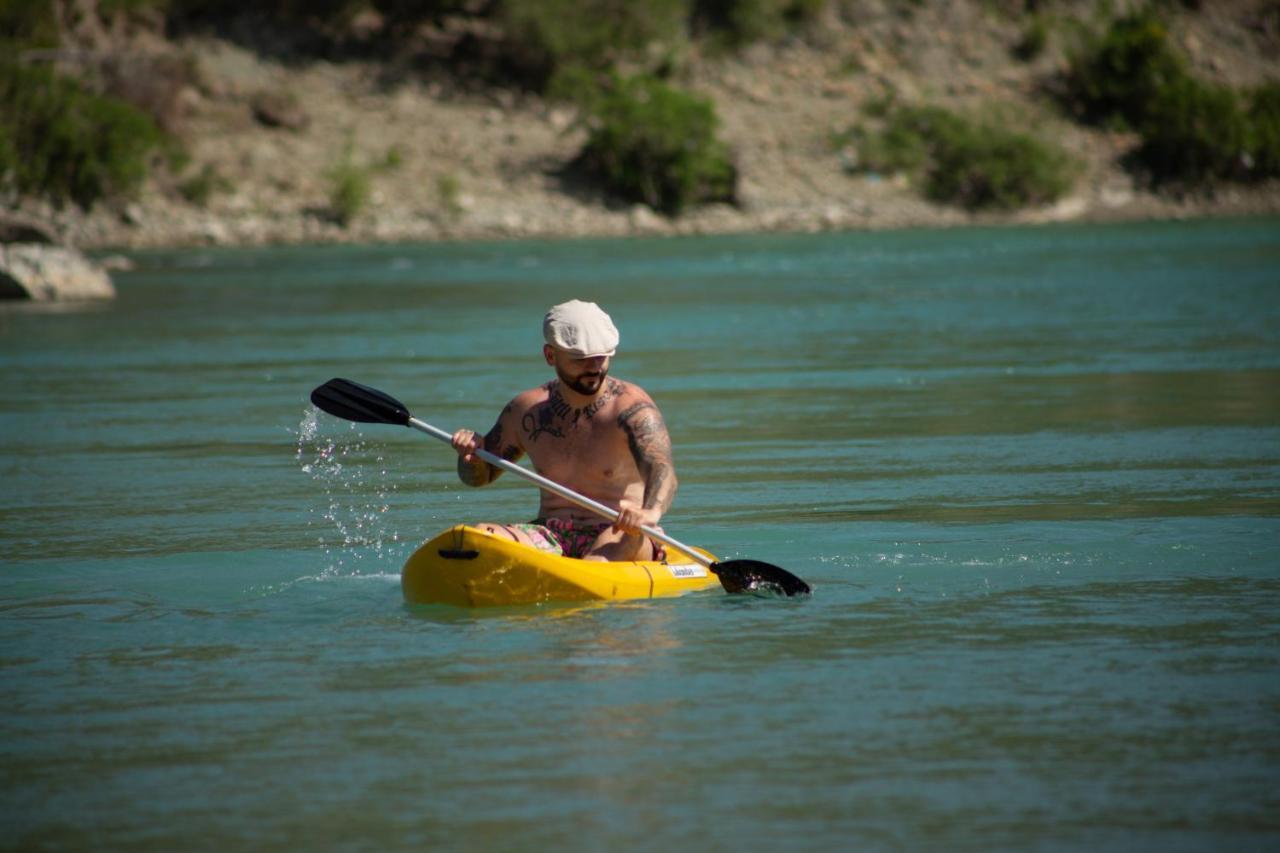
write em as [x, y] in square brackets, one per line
[556, 415]
[541, 419]
[612, 389]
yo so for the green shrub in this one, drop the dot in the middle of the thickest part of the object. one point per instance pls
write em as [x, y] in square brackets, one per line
[350, 186]
[654, 144]
[302, 14]
[449, 190]
[905, 142]
[405, 16]
[1195, 133]
[979, 168]
[1192, 132]
[1118, 76]
[1264, 131]
[29, 23]
[349, 189]
[547, 37]
[1035, 38]
[69, 144]
[9, 163]
[976, 165]
[200, 187]
[734, 23]
[1198, 133]
[392, 160]
[351, 182]
[111, 8]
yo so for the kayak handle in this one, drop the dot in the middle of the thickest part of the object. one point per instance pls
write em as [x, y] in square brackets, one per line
[458, 554]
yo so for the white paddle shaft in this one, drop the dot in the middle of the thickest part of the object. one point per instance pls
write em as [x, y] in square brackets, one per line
[563, 491]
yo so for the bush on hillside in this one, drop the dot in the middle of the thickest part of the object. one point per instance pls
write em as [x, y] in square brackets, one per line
[976, 165]
[200, 188]
[404, 16]
[1034, 40]
[654, 144]
[295, 13]
[905, 141]
[349, 189]
[1119, 75]
[351, 180]
[1195, 133]
[30, 23]
[67, 144]
[541, 36]
[550, 37]
[10, 164]
[523, 42]
[1192, 132]
[735, 23]
[1264, 131]
[983, 168]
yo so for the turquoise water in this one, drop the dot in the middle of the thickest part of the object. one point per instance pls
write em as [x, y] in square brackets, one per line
[1032, 474]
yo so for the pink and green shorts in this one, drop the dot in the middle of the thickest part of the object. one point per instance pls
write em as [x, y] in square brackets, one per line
[570, 538]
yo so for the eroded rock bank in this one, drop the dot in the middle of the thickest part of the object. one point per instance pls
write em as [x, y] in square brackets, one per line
[34, 268]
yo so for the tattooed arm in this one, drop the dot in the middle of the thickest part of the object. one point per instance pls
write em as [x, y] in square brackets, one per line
[473, 470]
[651, 448]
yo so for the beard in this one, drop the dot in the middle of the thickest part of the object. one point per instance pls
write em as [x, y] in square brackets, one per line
[587, 384]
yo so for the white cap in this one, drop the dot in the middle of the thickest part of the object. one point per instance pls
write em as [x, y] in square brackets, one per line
[580, 329]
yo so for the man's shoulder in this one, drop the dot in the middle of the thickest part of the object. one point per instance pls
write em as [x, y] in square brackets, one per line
[526, 400]
[634, 402]
[629, 392]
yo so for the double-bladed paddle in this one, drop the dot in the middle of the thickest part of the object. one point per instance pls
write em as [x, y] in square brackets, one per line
[355, 402]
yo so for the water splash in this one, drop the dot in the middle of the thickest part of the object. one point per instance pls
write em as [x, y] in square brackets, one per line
[353, 515]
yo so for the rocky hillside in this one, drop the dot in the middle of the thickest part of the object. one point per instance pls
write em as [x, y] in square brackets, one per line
[452, 161]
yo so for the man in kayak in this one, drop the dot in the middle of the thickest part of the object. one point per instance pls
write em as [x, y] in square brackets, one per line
[600, 436]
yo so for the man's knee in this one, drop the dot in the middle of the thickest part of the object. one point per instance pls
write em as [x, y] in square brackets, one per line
[619, 547]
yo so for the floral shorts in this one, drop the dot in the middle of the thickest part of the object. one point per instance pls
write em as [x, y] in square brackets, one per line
[571, 538]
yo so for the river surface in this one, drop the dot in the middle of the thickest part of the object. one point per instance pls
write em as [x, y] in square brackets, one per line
[1033, 476]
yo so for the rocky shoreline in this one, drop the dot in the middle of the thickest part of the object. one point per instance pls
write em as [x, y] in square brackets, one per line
[550, 221]
[33, 268]
[39, 272]
[166, 226]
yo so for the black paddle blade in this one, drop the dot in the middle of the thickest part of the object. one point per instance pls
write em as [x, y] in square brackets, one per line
[352, 401]
[757, 576]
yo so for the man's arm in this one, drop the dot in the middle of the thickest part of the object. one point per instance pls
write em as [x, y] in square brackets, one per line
[651, 448]
[473, 470]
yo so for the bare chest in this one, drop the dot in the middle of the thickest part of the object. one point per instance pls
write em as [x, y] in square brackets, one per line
[574, 448]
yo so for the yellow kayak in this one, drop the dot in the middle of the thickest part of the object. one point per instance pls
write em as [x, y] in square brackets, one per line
[470, 568]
